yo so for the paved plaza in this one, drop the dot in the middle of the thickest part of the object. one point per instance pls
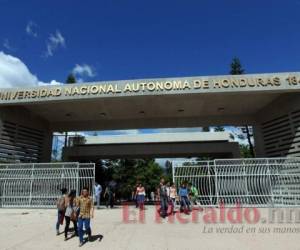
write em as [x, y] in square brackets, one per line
[34, 229]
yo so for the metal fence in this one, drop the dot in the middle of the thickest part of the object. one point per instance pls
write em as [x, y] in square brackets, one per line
[273, 182]
[38, 184]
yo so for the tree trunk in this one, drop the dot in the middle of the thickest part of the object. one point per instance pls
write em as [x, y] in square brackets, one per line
[249, 141]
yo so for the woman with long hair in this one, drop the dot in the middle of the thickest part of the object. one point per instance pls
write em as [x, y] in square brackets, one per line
[70, 214]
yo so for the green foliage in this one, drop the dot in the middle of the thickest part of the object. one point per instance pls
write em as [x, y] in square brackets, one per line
[231, 136]
[245, 151]
[205, 129]
[78, 140]
[128, 172]
[71, 79]
[219, 129]
[236, 67]
[241, 137]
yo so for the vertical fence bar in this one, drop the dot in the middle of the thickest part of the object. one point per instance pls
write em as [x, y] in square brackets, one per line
[31, 184]
[94, 174]
[173, 173]
[216, 183]
[209, 183]
[246, 182]
[77, 180]
[270, 182]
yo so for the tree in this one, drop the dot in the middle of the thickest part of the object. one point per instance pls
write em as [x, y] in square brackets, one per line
[78, 140]
[219, 129]
[128, 172]
[169, 171]
[205, 129]
[236, 69]
[71, 79]
[245, 151]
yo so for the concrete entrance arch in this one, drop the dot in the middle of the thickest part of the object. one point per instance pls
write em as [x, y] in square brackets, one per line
[269, 102]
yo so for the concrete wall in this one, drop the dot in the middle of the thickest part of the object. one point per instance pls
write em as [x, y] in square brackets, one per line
[277, 129]
[161, 150]
[28, 137]
[23, 136]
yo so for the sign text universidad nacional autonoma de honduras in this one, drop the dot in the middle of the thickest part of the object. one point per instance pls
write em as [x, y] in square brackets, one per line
[160, 85]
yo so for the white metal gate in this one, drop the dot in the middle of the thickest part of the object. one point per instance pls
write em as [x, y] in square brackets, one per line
[38, 184]
[249, 182]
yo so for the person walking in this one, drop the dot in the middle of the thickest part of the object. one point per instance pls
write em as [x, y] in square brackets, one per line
[134, 196]
[184, 199]
[140, 194]
[70, 214]
[97, 192]
[109, 192]
[173, 194]
[163, 196]
[86, 212]
[152, 195]
[60, 204]
[168, 194]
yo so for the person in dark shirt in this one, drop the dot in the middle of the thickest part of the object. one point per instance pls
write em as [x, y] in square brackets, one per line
[61, 209]
[163, 195]
[184, 198]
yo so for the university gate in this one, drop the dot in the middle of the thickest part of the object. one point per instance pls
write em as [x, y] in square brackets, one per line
[38, 185]
[268, 182]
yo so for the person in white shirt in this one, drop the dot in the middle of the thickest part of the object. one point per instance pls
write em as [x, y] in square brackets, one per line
[140, 194]
[152, 194]
[173, 195]
[97, 192]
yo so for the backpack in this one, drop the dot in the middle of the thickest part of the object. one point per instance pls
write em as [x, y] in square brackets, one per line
[61, 203]
[194, 191]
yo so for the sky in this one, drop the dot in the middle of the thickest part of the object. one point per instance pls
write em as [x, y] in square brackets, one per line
[111, 40]
[41, 42]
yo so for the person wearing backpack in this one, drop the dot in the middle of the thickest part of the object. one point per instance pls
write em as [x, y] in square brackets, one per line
[61, 207]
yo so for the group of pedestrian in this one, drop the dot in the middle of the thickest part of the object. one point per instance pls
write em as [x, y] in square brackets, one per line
[109, 194]
[79, 210]
[186, 197]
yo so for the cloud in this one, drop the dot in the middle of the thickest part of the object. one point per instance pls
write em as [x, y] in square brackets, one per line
[120, 132]
[171, 130]
[31, 29]
[7, 45]
[14, 73]
[52, 82]
[54, 42]
[236, 132]
[83, 70]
